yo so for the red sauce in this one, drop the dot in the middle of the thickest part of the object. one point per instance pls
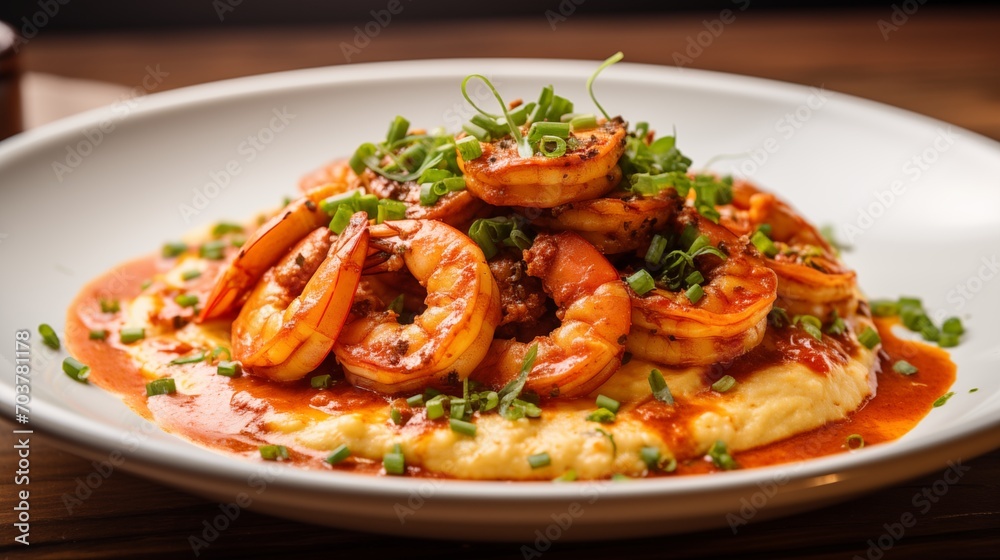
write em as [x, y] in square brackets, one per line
[227, 414]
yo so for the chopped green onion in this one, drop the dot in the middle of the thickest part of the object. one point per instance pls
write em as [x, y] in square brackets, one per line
[539, 460]
[363, 153]
[132, 334]
[477, 132]
[559, 107]
[855, 441]
[558, 146]
[229, 368]
[397, 130]
[602, 415]
[110, 306]
[98, 334]
[492, 401]
[658, 385]
[218, 351]
[539, 130]
[75, 369]
[810, 324]
[174, 249]
[837, 325]
[341, 219]
[273, 452]
[641, 282]
[943, 399]
[396, 416]
[904, 367]
[524, 150]
[725, 383]
[513, 389]
[192, 359]
[619, 477]
[222, 228]
[164, 386]
[583, 122]
[953, 325]
[394, 462]
[608, 403]
[213, 250]
[186, 300]
[435, 407]
[390, 210]
[720, 456]
[778, 317]
[657, 246]
[884, 308]
[48, 336]
[590, 82]
[870, 338]
[190, 274]
[320, 381]
[947, 340]
[974, 389]
[764, 244]
[339, 454]
[694, 278]
[469, 148]
[415, 401]
[930, 333]
[457, 408]
[568, 476]
[694, 293]
[462, 427]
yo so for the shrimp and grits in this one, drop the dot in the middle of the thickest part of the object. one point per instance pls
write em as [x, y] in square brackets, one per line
[545, 294]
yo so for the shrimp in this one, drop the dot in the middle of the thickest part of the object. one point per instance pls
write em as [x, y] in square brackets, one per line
[728, 320]
[295, 313]
[620, 222]
[458, 209]
[588, 169]
[267, 244]
[586, 349]
[444, 342]
[812, 280]
[338, 173]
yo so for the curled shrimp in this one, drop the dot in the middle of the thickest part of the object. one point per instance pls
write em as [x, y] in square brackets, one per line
[295, 313]
[458, 209]
[444, 342]
[812, 280]
[588, 169]
[337, 173]
[586, 349]
[264, 248]
[620, 222]
[729, 319]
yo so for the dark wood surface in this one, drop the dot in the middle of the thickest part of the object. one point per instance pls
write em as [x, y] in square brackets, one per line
[940, 62]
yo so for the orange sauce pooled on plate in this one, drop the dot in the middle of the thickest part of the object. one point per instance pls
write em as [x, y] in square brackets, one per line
[227, 413]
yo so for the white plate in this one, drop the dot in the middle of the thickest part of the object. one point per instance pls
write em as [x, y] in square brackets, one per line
[837, 161]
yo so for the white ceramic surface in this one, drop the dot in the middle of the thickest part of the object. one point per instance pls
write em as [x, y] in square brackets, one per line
[837, 158]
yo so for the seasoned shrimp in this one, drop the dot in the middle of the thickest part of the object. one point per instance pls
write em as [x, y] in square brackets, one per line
[267, 244]
[728, 320]
[586, 349]
[619, 222]
[812, 280]
[444, 342]
[295, 313]
[458, 209]
[337, 173]
[588, 169]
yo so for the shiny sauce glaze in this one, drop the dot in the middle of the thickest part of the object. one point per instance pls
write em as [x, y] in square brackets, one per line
[227, 414]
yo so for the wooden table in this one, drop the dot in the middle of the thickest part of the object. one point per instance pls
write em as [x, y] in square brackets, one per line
[940, 62]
